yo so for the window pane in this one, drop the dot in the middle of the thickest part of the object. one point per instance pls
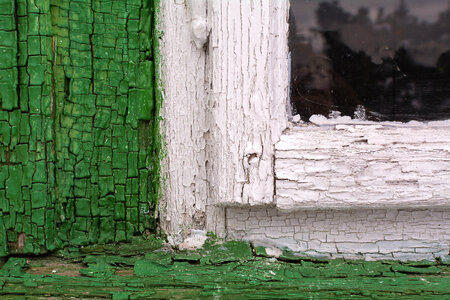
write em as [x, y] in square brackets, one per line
[389, 57]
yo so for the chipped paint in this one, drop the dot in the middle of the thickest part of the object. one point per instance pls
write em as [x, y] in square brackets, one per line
[79, 132]
[233, 157]
[222, 269]
[224, 108]
[363, 166]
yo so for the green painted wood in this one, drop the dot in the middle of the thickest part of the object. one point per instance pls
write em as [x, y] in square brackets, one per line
[79, 138]
[144, 269]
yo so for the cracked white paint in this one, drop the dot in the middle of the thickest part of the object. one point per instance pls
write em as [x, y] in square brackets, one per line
[419, 234]
[225, 126]
[363, 166]
[248, 60]
[224, 107]
[185, 122]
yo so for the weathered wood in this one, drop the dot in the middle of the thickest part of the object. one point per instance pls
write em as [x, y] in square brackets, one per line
[225, 107]
[248, 65]
[185, 121]
[227, 143]
[362, 166]
[78, 123]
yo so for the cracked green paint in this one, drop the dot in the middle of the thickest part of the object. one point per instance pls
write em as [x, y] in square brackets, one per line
[79, 139]
[145, 268]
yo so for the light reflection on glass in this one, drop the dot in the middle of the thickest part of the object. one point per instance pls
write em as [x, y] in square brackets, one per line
[392, 57]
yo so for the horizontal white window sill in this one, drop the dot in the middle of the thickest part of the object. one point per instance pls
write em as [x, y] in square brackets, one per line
[361, 164]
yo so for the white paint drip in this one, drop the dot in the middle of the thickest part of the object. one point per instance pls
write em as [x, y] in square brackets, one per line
[197, 9]
[194, 241]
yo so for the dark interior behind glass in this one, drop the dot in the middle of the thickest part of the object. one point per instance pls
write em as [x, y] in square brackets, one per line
[389, 58]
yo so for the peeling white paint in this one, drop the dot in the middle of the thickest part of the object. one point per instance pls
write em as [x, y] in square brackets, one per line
[194, 241]
[185, 120]
[224, 107]
[341, 185]
[357, 166]
[248, 60]
[356, 234]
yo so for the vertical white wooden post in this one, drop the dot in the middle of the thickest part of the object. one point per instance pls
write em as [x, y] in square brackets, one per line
[185, 125]
[247, 75]
[224, 107]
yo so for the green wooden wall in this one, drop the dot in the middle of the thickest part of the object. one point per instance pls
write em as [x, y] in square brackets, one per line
[78, 128]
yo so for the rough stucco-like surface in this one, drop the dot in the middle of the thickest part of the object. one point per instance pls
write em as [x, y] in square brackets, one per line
[363, 167]
[369, 234]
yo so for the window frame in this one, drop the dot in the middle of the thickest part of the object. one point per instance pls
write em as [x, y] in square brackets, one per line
[226, 114]
[423, 139]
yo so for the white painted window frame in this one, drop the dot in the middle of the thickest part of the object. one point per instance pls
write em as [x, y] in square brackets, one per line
[229, 142]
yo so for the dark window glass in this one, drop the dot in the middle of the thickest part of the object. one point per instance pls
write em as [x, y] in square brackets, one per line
[390, 58]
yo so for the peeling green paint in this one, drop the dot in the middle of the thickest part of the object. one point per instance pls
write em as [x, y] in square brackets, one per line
[161, 272]
[79, 114]
[80, 150]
